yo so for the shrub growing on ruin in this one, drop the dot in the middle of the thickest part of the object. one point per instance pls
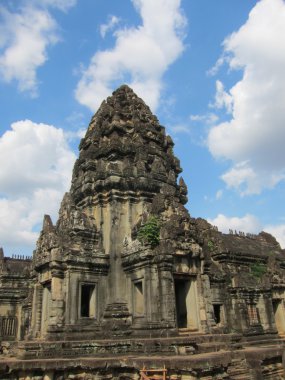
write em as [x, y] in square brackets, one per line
[149, 232]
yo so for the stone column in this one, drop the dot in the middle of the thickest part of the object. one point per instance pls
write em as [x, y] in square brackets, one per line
[151, 294]
[37, 310]
[57, 299]
[19, 324]
[205, 302]
[167, 294]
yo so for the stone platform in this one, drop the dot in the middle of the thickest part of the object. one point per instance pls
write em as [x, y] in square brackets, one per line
[196, 356]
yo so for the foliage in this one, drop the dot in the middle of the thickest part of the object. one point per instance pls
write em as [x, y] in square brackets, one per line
[149, 232]
[258, 270]
[211, 245]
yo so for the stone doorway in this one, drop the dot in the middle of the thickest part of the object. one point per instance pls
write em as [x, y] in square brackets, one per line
[218, 313]
[87, 302]
[186, 304]
[278, 310]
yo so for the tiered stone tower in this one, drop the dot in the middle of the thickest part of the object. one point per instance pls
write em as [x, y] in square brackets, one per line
[107, 265]
[126, 279]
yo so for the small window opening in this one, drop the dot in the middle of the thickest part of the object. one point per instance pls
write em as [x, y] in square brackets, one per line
[138, 298]
[217, 313]
[275, 303]
[87, 301]
[253, 314]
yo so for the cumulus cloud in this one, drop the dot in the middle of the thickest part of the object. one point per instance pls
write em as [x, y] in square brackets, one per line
[222, 98]
[35, 171]
[105, 28]
[248, 223]
[26, 35]
[253, 138]
[63, 5]
[140, 56]
[208, 118]
[180, 128]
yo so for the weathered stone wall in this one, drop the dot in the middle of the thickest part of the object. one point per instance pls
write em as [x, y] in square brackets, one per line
[15, 295]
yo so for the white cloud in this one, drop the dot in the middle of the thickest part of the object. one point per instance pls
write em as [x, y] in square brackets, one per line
[209, 118]
[219, 194]
[220, 62]
[112, 22]
[278, 231]
[247, 223]
[35, 171]
[63, 5]
[253, 139]
[248, 181]
[26, 35]
[180, 128]
[222, 98]
[141, 55]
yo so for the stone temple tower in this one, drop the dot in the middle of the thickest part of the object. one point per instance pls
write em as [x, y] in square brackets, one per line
[127, 283]
[123, 241]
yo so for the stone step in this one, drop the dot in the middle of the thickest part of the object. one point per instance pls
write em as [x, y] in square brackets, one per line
[211, 347]
[263, 340]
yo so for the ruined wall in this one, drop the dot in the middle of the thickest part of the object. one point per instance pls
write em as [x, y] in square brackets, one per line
[15, 307]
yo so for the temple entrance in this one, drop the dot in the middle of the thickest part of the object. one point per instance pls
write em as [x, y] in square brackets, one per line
[87, 308]
[186, 304]
[217, 313]
[278, 310]
[181, 291]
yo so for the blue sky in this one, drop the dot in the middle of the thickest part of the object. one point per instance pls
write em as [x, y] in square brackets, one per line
[212, 71]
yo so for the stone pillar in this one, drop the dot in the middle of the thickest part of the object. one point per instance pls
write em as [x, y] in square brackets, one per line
[167, 294]
[241, 320]
[72, 298]
[205, 302]
[19, 324]
[152, 294]
[57, 298]
[37, 310]
[67, 296]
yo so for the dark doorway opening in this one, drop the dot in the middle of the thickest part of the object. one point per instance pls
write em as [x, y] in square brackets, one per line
[217, 313]
[181, 291]
[87, 300]
[138, 298]
[275, 304]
